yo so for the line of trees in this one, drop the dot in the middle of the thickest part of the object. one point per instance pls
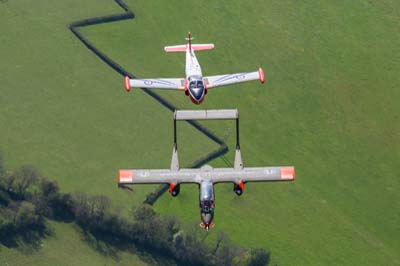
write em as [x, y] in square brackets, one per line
[27, 199]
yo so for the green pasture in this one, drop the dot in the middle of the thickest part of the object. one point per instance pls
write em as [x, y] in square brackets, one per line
[66, 112]
[330, 106]
[68, 246]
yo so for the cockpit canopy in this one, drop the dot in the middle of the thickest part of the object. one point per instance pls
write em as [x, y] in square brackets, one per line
[196, 87]
[207, 206]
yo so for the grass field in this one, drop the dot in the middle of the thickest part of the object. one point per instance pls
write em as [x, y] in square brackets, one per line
[329, 107]
[67, 247]
[67, 113]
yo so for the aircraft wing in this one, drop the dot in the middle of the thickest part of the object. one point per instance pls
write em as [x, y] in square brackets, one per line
[222, 80]
[253, 174]
[159, 176]
[158, 83]
[216, 175]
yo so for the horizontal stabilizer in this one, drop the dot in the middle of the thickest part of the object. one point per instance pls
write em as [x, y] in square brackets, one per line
[183, 47]
[199, 47]
[206, 114]
[175, 48]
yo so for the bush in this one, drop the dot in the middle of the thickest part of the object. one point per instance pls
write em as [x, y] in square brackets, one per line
[26, 216]
[3, 169]
[259, 257]
[49, 189]
[21, 181]
[143, 213]
[4, 197]
[225, 251]
[90, 211]
[6, 220]
[63, 207]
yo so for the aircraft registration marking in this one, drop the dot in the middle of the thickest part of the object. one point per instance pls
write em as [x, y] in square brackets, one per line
[239, 77]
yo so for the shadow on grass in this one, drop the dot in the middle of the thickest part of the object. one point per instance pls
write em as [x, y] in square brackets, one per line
[109, 245]
[27, 240]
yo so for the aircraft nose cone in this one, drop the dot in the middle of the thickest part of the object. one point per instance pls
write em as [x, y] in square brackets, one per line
[197, 93]
[206, 217]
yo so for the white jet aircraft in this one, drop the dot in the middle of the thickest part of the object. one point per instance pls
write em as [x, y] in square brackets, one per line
[194, 85]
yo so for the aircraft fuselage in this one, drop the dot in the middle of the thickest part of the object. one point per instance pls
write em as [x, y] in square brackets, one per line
[207, 204]
[194, 85]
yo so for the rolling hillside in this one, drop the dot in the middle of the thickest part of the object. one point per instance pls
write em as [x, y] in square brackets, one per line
[329, 106]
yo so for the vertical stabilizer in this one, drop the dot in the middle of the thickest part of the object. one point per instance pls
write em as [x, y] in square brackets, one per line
[175, 160]
[189, 39]
[238, 160]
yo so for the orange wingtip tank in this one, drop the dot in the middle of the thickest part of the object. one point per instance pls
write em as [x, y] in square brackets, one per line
[127, 84]
[261, 74]
[125, 176]
[288, 173]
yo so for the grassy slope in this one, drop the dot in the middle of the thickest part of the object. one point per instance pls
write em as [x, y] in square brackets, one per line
[66, 112]
[67, 248]
[329, 107]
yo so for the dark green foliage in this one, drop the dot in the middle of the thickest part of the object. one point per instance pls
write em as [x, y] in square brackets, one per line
[26, 216]
[21, 180]
[2, 166]
[143, 213]
[7, 182]
[20, 220]
[6, 220]
[225, 251]
[49, 189]
[195, 251]
[4, 197]
[259, 257]
[90, 212]
[62, 207]
[48, 192]
[17, 213]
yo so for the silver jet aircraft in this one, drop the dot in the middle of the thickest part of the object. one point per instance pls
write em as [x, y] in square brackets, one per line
[206, 176]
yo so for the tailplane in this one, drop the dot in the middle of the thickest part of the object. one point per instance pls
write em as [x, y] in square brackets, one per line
[175, 48]
[192, 47]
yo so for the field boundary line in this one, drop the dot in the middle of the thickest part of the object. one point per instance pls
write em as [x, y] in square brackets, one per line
[128, 14]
